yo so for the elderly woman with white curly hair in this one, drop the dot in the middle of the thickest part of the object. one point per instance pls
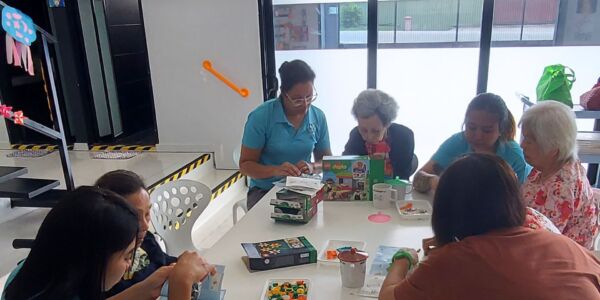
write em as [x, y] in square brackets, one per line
[376, 135]
[557, 186]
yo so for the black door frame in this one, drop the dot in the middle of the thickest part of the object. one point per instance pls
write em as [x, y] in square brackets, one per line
[267, 49]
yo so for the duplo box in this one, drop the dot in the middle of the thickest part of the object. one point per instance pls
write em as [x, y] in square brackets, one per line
[351, 177]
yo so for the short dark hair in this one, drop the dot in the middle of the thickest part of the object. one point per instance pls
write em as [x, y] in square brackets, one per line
[476, 194]
[71, 251]
[493, 104]
[294, 72]
[122, 182]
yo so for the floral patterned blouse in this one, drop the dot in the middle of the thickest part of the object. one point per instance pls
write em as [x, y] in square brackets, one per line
[567, 199]
[536, 220]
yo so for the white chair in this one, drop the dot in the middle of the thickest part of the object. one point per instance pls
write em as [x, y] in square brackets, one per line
[240, 204]
[176, 206]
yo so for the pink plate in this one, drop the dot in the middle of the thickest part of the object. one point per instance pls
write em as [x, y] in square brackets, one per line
[379, 218]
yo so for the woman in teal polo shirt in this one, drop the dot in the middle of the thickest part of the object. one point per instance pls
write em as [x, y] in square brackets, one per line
[281, 134]
[489, 127]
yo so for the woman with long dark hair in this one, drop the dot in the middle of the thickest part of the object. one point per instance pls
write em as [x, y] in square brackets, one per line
[489, 127]
[83, 247]
[483, 251]
[148, 256]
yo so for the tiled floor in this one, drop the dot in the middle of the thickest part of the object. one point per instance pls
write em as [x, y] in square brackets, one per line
[153, 166]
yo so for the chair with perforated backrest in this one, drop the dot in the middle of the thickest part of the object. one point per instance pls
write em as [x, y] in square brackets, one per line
[176, 206]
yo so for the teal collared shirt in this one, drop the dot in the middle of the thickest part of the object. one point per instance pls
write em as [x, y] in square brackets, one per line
[457, 146]
[268, 129]
[12, 276]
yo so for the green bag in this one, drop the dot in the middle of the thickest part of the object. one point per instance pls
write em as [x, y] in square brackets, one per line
[556, 84]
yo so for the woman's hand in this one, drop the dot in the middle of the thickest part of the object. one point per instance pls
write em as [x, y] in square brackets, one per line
[153, 284]
[429, 244]
[286, 169]
[414, 255]
[191, 267]
[149, 288]
[396, 274]
[424, 182]
[305, 167]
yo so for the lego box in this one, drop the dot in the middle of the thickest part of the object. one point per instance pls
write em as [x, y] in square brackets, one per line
[346, 178]
[279, 253]
[294, 207]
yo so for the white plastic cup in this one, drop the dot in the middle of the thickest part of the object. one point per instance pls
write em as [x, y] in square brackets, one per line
[383, 195]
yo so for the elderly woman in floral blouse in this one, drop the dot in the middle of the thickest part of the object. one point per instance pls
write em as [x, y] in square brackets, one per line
[557, 186]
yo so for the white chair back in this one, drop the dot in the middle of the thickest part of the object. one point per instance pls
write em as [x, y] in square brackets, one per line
[176, 206]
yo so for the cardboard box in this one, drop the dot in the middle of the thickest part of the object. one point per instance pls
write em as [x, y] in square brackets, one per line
[376, 174]
[294, 207]
[280, 253]
[346, 178]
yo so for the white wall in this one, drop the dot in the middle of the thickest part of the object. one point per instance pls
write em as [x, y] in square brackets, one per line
[194, 111]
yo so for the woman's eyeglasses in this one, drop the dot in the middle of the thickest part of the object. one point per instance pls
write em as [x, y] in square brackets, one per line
[303, 100]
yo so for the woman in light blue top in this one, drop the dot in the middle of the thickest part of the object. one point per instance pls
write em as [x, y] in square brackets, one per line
[281, 134]
[489, 127]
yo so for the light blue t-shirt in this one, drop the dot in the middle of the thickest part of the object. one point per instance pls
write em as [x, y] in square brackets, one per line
[268, 129]
[457, 146]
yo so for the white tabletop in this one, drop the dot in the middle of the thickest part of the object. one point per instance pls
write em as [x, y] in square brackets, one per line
[335, 220]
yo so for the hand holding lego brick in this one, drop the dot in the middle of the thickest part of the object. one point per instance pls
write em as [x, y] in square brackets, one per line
[305, 167]
[286, 169]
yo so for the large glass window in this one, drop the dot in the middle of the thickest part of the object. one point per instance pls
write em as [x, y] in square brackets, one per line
[563, 32]
[430, 70]
[428, 55]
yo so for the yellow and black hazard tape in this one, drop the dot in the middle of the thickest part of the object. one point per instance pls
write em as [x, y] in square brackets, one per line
[181, 172]
[123, 148]
[37, 147]
[225, 185]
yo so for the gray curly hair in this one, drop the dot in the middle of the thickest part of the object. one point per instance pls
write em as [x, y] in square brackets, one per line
[375, 102]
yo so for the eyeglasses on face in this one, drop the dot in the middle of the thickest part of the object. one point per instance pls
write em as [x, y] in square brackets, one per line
[302, 100]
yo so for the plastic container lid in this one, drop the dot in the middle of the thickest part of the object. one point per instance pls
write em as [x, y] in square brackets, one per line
[397, 181]
[353, 256]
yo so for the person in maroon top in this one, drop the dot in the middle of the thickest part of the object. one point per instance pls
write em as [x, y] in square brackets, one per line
[482, 251]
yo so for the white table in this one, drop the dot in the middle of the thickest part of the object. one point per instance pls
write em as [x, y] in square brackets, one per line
[335, 220]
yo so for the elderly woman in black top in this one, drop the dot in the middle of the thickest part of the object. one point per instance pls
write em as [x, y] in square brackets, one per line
[377, 136]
